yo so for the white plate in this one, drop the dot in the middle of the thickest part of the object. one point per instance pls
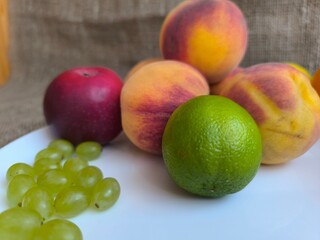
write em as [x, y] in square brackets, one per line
[282, 202]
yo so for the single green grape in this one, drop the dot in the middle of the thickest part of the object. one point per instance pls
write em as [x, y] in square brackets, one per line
[105, 193]
[44, 164]
[54, 180]
[40, 200]
[19, 223]
[58, 229]
[71, 201]
[19, 168]
[65, 147]
[17, 187]
[74, 165]
[88, 177]
[51, 153]
[88, 150]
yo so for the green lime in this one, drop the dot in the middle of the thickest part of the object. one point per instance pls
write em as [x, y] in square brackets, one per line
[211, 146]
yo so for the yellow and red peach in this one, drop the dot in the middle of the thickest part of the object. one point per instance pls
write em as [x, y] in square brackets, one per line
[216, 88]
[300, 68]
[149, 97]
[141, 64]
[283, 103]
[210, 35]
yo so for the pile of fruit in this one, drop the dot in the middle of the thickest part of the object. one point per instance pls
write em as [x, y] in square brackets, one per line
[178, 106]
[213, 121]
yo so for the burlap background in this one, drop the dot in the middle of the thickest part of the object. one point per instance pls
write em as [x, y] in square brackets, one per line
[49, 36]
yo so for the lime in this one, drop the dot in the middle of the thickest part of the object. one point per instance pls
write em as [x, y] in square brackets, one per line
[211, 146]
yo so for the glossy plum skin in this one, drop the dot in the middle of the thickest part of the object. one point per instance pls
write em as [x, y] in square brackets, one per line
[83, 104]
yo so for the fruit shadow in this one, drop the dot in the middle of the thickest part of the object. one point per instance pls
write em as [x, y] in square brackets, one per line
[148, 171]
[3, 198]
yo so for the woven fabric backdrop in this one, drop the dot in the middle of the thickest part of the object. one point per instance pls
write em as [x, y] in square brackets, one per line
[48, 37]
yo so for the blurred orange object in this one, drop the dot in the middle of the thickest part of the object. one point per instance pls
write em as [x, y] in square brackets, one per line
[4, 42]
[315, 81]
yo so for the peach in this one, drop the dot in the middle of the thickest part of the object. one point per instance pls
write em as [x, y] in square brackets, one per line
[300, 68]
[151, 94]
[141, 64]
[216, 88]
[210, 35]
[283, 103]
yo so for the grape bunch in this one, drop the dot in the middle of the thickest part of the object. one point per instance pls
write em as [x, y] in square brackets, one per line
[61, 184]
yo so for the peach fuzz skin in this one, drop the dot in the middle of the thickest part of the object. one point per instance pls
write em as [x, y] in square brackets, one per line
[216, 88]
[150, 96]
[140, 65]
[284, 105]
[210, 35]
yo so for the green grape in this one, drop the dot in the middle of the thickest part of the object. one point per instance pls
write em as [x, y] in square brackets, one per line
[19, 168]
[88, 150]
[17, 187]
[8, 234]
[63, 146]
[58, 229]
[51, 153]
[54, 180]
[71, 201]
[74, 165]
[44, 164]
[40, 200]
[19, 223]
[88, 177]
[105, 193]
